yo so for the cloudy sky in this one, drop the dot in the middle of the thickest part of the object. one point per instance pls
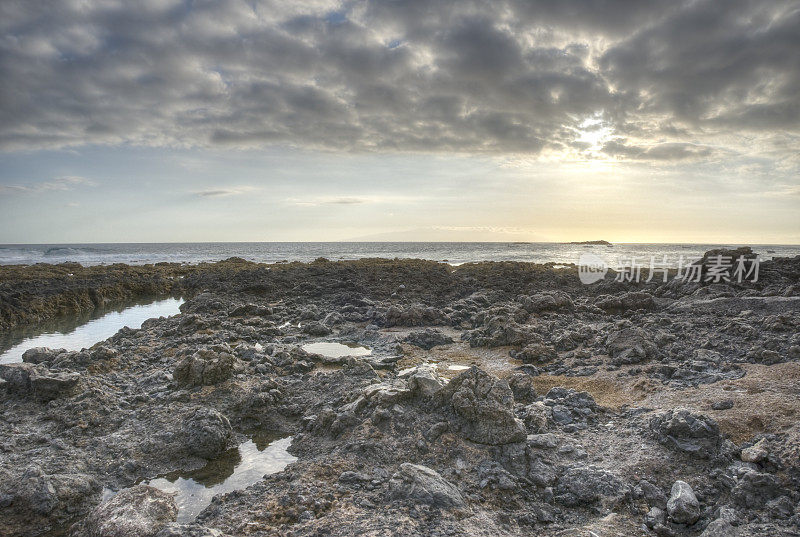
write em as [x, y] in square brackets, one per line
[200, 120]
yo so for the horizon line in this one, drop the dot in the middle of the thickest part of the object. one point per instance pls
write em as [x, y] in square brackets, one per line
[574, 243]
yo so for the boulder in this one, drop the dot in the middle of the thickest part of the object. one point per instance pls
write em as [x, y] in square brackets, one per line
[654, 517]
[719, 528]
[682, 506]
[32, 498]
[535, 353]
[729, 255]
[386, 393]
[536, 416]
[316, 329]
[630, 346]
[420, 484]
[39, 355]
[522, 387]
[754, 489]
[140, 511]
[586, 485]
[17, 377]
[569, 406]
[205, 433]
[30, 380]
[427, 339]
[483, 408]
[681, 429]
[48, 385]
[722, 404]
[652, 494]
[423, 380]
[546, 301]
[755, 453]
[500, 332]
[542, 441]
[204, 368]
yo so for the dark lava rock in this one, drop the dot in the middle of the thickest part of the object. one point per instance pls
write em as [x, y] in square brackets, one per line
[630, 346]
[37, 381]
[35, 498]
[754, 489]
[427, 339]
[500, 332]
[316, 329]
[205, 367]
[625, 302]
[546, 301]
[536, 417]
[569, 406]
[695, 434]
[206, 433]
[39, 355]
[535, 353]
[483, 406]
[584, 485]
[723, 404]
[189, 530]
[415, 315]
[420, 484]
[682, 506]
[522, 387]
[719, 528]
[139, 511]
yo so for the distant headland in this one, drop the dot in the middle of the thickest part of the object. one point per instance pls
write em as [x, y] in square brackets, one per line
[602, 243]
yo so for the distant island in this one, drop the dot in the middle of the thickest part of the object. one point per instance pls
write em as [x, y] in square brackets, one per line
[602, 243]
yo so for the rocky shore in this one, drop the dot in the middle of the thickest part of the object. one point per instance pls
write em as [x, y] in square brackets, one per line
[497, 399]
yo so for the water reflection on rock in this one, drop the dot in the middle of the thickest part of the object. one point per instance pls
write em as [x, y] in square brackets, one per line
[236, 469]
[74, 333]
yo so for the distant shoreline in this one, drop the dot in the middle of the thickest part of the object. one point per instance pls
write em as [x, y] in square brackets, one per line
[599, 243]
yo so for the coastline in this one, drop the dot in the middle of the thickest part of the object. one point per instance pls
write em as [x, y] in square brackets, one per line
[571, 408]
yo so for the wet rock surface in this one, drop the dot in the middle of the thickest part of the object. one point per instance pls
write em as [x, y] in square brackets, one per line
[140, 511]
[610, 409]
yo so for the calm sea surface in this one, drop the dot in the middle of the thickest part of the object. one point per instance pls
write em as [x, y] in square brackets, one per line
[271, 252]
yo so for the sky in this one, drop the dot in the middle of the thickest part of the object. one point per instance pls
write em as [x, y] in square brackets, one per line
[507, 120]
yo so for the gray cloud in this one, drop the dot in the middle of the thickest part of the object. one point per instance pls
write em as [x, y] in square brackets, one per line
[502, 76]
[223, 191]
[670, 151]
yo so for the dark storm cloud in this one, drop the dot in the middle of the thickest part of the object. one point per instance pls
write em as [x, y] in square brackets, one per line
[499, 76]
[715, 64]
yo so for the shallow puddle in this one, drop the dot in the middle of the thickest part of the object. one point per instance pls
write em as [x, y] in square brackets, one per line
[336, 350]
[78, 333]
[236, 469]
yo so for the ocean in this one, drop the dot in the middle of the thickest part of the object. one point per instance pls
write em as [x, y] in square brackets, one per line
[451, 252]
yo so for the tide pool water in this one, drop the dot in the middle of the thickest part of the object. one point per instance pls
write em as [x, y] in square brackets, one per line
[78, 333]
[235, 470]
